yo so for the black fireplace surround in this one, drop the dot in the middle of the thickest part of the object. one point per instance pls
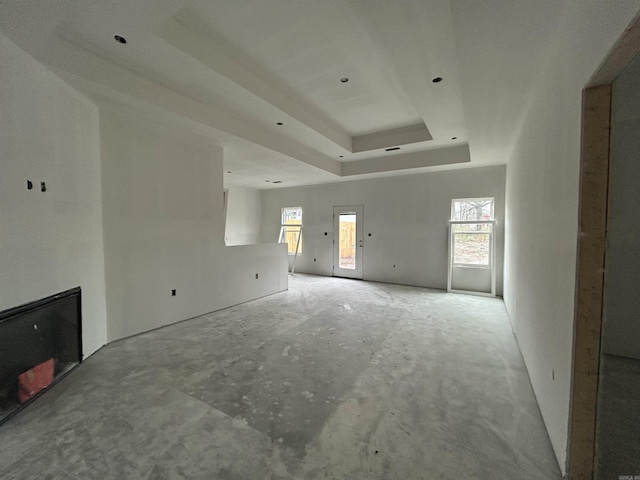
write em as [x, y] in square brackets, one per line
[33, 333]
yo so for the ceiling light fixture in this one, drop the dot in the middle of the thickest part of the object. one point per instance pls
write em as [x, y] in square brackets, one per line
[120, 39]
[391, 149]
[437, 80]
[344, 79]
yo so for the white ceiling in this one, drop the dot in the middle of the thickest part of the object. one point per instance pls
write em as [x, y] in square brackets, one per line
[231, 69]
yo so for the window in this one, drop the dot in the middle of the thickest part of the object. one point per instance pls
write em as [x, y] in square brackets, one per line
[469, 209]
[291, 229]
[471, 232]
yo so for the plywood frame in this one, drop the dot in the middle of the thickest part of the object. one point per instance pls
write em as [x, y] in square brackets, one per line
[590, 280]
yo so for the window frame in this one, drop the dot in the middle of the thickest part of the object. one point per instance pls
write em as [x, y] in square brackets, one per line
[470, 200]
[284, 230]
[485, 221]
[489, 233]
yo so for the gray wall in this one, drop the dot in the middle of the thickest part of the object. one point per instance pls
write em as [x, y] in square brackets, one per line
[164, 230]
[407, 217]
[243, 216]
[622, 275]
[161, 195]
[542, 203]
[49, 242]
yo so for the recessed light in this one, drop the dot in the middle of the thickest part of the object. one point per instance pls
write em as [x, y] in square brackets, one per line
[391, 149]
[437, 80]
[344, 79]
[120, 39]
[279, 123]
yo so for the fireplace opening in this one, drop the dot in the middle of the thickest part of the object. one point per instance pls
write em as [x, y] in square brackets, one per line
[40, 343]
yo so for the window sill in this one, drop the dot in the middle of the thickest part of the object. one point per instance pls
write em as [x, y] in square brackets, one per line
[475, 267]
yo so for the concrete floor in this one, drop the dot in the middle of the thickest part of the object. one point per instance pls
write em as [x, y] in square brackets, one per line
[618, 437]
[334, 379]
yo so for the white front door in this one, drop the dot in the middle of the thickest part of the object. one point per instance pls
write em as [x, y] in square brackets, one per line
[347, 241]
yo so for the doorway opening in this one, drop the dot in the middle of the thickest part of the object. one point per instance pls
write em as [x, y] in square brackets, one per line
[591, 256]
[347, 241]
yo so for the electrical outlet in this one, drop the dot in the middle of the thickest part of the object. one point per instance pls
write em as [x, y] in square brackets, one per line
[43, 187]
[29, 185]
[173, 292]
[256, 276]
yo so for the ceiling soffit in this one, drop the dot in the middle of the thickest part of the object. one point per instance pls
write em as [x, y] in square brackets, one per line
[81, 49]
[189, 33]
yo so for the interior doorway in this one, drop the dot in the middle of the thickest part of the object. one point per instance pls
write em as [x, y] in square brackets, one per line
[592, 257]
[347, 241]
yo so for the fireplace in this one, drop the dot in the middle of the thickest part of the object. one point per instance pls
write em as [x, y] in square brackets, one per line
[38, 340]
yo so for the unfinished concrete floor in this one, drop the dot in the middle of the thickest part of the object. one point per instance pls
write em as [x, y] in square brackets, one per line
[618, 434]
[334, 379]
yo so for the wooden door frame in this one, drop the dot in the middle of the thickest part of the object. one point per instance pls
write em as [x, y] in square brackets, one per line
[591, 252]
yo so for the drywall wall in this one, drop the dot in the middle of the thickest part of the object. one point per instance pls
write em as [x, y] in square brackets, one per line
[243, 216]
[471, 279]
[51, 241]
[163, 230]
[407, 217]
[622, 275]
[542, 171]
